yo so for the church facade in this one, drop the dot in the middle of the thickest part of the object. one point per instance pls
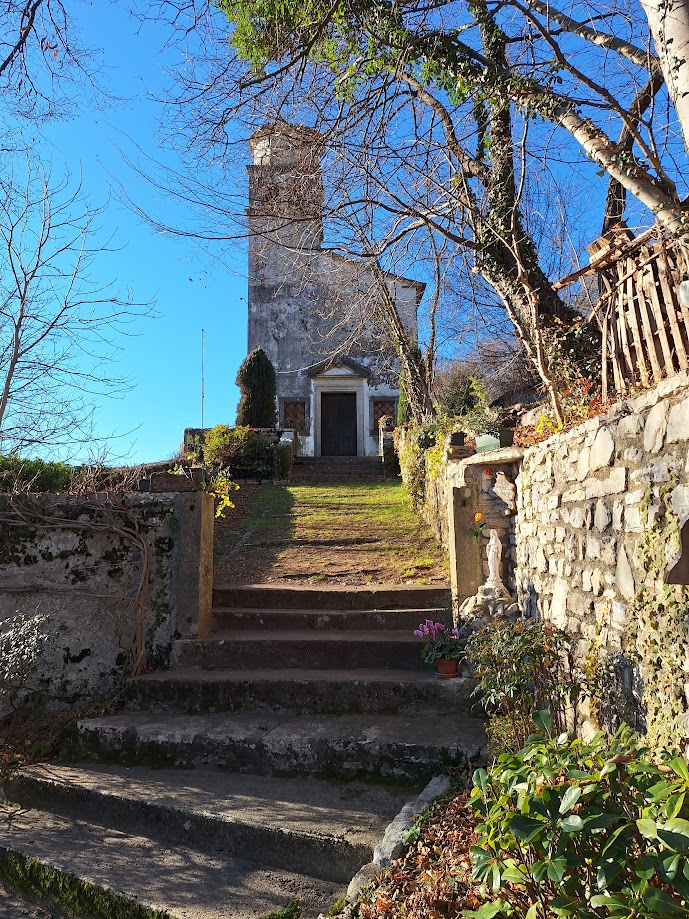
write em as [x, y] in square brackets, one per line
[313, 311]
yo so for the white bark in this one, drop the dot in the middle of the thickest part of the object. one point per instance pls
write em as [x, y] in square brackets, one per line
[669, 24]
[668, 212]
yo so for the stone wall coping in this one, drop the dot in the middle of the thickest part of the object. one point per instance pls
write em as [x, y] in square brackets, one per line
[505, 456]
[631, 406]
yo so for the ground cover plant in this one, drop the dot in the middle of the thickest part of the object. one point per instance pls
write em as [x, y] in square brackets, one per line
[562, 828]
[345, 534]
[585, 830]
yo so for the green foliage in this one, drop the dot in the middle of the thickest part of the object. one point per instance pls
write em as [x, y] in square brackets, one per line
[443, 648]
[480, 418]
[293, 910]
[403, 407]
[39, 475]
[257, 382]
[390, 460]
[283, 460]
[459, 389]
[583, 830]
[658, 626]
[412, 465]
[523, 667]
[240, 451]
[69, 893]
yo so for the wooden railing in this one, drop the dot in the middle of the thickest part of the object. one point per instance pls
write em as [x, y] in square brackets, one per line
[643, 320]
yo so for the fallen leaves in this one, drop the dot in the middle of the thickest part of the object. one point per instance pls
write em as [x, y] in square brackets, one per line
[433, 878]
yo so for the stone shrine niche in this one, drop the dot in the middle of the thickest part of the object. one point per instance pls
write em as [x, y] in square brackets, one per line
[678, 571]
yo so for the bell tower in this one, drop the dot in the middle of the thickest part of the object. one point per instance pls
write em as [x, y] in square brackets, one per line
[286, 187]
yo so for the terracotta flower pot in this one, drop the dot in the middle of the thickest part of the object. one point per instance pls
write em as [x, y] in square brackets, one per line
[446, 669]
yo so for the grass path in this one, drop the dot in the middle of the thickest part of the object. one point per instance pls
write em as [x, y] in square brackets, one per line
[332, 534]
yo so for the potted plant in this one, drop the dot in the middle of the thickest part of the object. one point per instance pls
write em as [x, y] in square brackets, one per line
[443, 648]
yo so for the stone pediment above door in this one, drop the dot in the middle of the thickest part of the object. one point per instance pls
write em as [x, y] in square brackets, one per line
[342, 367]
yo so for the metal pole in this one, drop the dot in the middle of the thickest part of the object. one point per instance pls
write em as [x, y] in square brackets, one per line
[202, 380]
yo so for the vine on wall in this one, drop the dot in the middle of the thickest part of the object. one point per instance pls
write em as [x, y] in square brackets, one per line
[643, 683]
[658, 628]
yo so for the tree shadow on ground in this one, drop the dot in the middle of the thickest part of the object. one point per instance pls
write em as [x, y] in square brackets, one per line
[248, 541]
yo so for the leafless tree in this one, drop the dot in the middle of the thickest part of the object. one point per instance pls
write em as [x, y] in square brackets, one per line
[45, 70]
[59, 329]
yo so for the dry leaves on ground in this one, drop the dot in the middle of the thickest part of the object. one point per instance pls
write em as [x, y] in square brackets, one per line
[433, 878]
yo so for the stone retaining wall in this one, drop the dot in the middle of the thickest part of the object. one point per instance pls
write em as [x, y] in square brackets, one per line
[581, 508]
[587, 499]
[76, 562]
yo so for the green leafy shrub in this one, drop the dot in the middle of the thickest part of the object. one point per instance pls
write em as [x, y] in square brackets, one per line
[584, 830]
[241, 452]
[256, 380]
[390, 460]
[283, 458]
[37, 474]
[523, 667]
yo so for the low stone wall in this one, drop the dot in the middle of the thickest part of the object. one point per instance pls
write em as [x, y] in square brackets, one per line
[591, 525]
[117, 580]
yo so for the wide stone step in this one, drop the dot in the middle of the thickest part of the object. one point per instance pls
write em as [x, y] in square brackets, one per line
[373, 597]
[277, 743]
[337, 460]
[334, 479]
[298, 825]
[122, 872]
[322, 620]
[303, 649]
[308, 691]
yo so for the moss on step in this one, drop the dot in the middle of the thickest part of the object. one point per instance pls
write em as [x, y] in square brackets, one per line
[291, 911]
[74, 896]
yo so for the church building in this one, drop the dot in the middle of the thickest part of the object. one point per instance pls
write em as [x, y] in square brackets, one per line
[315, 312]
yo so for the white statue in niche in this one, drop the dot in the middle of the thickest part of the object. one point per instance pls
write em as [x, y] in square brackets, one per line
[494, 552]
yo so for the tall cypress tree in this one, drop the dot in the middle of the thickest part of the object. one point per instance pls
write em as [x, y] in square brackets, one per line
[256, 380]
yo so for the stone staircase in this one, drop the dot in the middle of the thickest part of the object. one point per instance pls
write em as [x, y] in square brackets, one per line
[263, 767]
[337, 470]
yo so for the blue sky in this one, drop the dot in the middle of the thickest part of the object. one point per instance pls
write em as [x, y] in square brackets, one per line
[192, 289]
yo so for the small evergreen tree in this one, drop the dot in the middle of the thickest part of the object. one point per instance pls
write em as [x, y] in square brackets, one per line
[256, 380]
[403, 411]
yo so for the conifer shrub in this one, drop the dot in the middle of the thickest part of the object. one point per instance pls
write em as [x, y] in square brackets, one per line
[256, 380]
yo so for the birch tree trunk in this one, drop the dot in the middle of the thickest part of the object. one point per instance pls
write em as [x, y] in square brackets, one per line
[669, 24]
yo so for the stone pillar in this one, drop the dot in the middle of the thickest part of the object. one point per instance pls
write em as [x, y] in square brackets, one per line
[465, 550]
[193, 592]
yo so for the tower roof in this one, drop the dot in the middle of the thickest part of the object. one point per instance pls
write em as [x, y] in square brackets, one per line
[278, 137]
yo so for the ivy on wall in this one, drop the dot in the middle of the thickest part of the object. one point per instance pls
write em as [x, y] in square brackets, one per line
[643, 683]
[658, 628]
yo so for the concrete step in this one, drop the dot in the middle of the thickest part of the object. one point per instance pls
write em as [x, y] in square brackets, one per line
[108, 872]
[307, 691]
[370, 597]
[277, 743]
[251, 650]
[298, 825]
[322, 620]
